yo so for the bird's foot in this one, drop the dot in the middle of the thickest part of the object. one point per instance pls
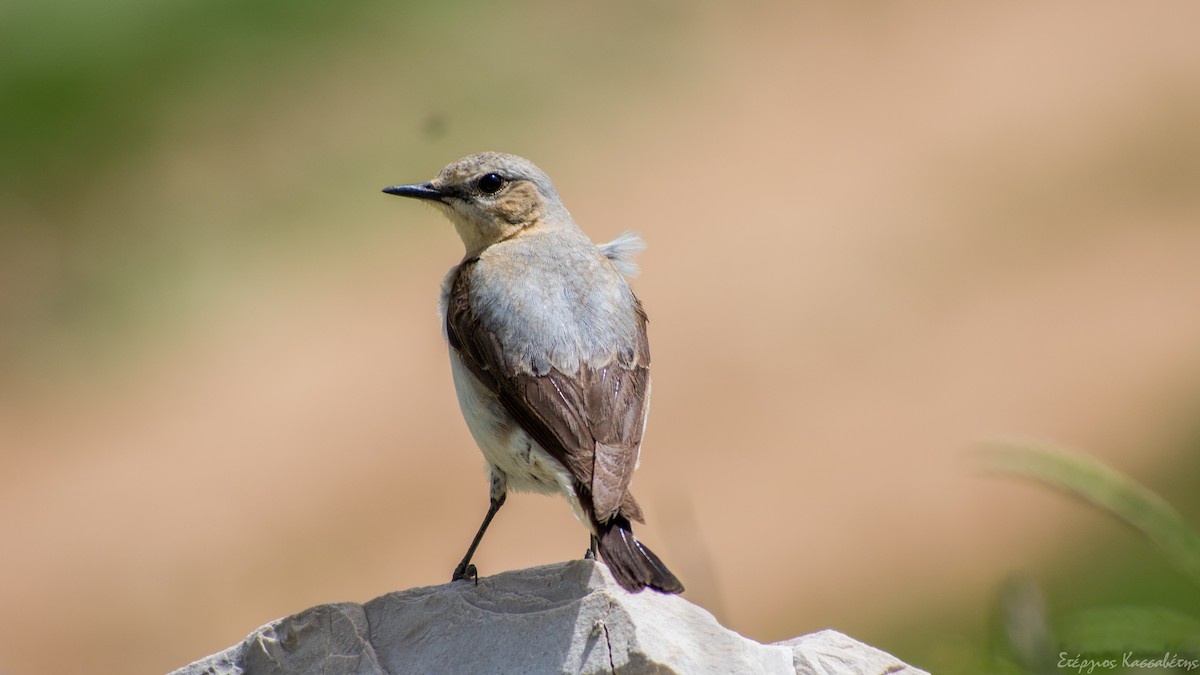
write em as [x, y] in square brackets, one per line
[466, 571]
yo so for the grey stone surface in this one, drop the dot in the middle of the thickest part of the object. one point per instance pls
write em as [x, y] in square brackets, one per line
[829, 651]
[565, 618]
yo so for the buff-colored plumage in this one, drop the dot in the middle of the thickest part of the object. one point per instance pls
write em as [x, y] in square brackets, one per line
[549, 352]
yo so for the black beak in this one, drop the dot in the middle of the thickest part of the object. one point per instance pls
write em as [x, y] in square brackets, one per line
[422, 191]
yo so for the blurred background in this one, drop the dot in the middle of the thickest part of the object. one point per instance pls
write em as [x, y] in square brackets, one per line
[878, 235]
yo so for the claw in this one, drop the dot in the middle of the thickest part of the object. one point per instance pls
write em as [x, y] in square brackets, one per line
[465, 569]
[468, 572]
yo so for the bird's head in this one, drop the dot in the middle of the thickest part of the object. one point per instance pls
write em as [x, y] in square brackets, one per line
[490, 197]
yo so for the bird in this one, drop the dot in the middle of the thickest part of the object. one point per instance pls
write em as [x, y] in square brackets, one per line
[549, 354]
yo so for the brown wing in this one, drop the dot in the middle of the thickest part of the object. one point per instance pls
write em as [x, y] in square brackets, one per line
[590, 421]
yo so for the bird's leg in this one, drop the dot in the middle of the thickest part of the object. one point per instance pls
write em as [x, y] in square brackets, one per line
[499, 492]
[591, 554]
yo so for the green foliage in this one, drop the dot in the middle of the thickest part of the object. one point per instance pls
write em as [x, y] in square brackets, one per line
[1099, 633]
[80, 83]
[1138, 629]
[1093, 481]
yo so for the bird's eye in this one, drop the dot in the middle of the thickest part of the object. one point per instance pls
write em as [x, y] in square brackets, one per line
[490, 184]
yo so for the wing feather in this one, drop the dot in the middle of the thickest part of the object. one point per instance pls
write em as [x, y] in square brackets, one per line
[590, 421]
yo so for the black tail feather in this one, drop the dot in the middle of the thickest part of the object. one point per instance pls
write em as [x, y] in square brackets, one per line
[633, 565]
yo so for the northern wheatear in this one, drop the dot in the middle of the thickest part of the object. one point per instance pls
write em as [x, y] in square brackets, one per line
[549, 354]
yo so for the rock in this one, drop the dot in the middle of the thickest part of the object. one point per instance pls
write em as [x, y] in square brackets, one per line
[568, 618]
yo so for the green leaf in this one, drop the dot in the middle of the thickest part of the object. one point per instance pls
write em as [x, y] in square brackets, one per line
[1106, 488]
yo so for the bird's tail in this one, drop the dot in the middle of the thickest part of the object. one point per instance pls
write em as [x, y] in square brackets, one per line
[633, 565]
